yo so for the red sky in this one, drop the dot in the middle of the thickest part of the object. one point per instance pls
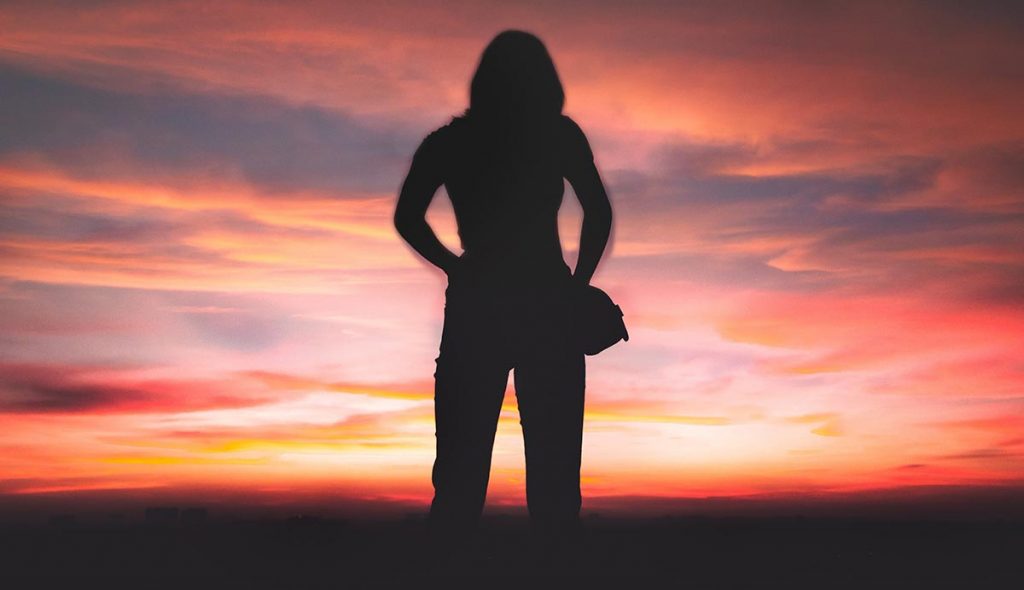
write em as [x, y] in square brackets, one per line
[818, 239]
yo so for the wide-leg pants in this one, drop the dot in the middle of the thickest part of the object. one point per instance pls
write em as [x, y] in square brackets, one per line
[487, 332]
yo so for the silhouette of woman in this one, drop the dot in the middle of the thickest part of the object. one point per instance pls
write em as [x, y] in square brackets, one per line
[508, 299]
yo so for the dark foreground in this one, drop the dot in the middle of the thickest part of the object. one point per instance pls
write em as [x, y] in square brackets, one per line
[693, 553]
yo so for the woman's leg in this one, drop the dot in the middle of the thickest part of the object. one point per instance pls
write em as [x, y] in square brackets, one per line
[469, 385]
[467, 402]
[550, 391]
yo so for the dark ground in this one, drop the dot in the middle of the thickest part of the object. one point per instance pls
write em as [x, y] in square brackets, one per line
[685, 552]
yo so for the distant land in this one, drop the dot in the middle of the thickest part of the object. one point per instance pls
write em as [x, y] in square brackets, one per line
[930, 503]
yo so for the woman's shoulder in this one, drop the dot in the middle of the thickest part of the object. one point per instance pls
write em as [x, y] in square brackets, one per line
[439, 141]
[439, 134]
[569, 126]
[565, 133]
[575, 140]
[442, 137]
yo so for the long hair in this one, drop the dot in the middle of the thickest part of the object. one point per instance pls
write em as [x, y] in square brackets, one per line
[515, 82]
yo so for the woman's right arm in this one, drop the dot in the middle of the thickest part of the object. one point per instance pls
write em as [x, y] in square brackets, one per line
[418, 190]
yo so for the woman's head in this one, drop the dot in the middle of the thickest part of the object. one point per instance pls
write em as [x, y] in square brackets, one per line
[515, 79]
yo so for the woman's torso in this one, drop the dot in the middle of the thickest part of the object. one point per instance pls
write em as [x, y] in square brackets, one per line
[506, 185]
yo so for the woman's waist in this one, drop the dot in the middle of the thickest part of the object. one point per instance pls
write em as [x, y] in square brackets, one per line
[520, 261]
[509, 285]
[511, 273]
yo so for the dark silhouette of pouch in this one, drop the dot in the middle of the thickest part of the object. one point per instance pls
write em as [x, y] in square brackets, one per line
[597, 321]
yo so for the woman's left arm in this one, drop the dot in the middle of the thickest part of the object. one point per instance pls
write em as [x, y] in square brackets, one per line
[586, 182]
[597, 220]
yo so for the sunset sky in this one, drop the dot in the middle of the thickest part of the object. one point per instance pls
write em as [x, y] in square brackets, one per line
[819, 228]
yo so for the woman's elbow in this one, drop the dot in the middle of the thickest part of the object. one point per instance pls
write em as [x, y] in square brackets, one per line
[402, 222]
[406, 222]
[600, 213]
